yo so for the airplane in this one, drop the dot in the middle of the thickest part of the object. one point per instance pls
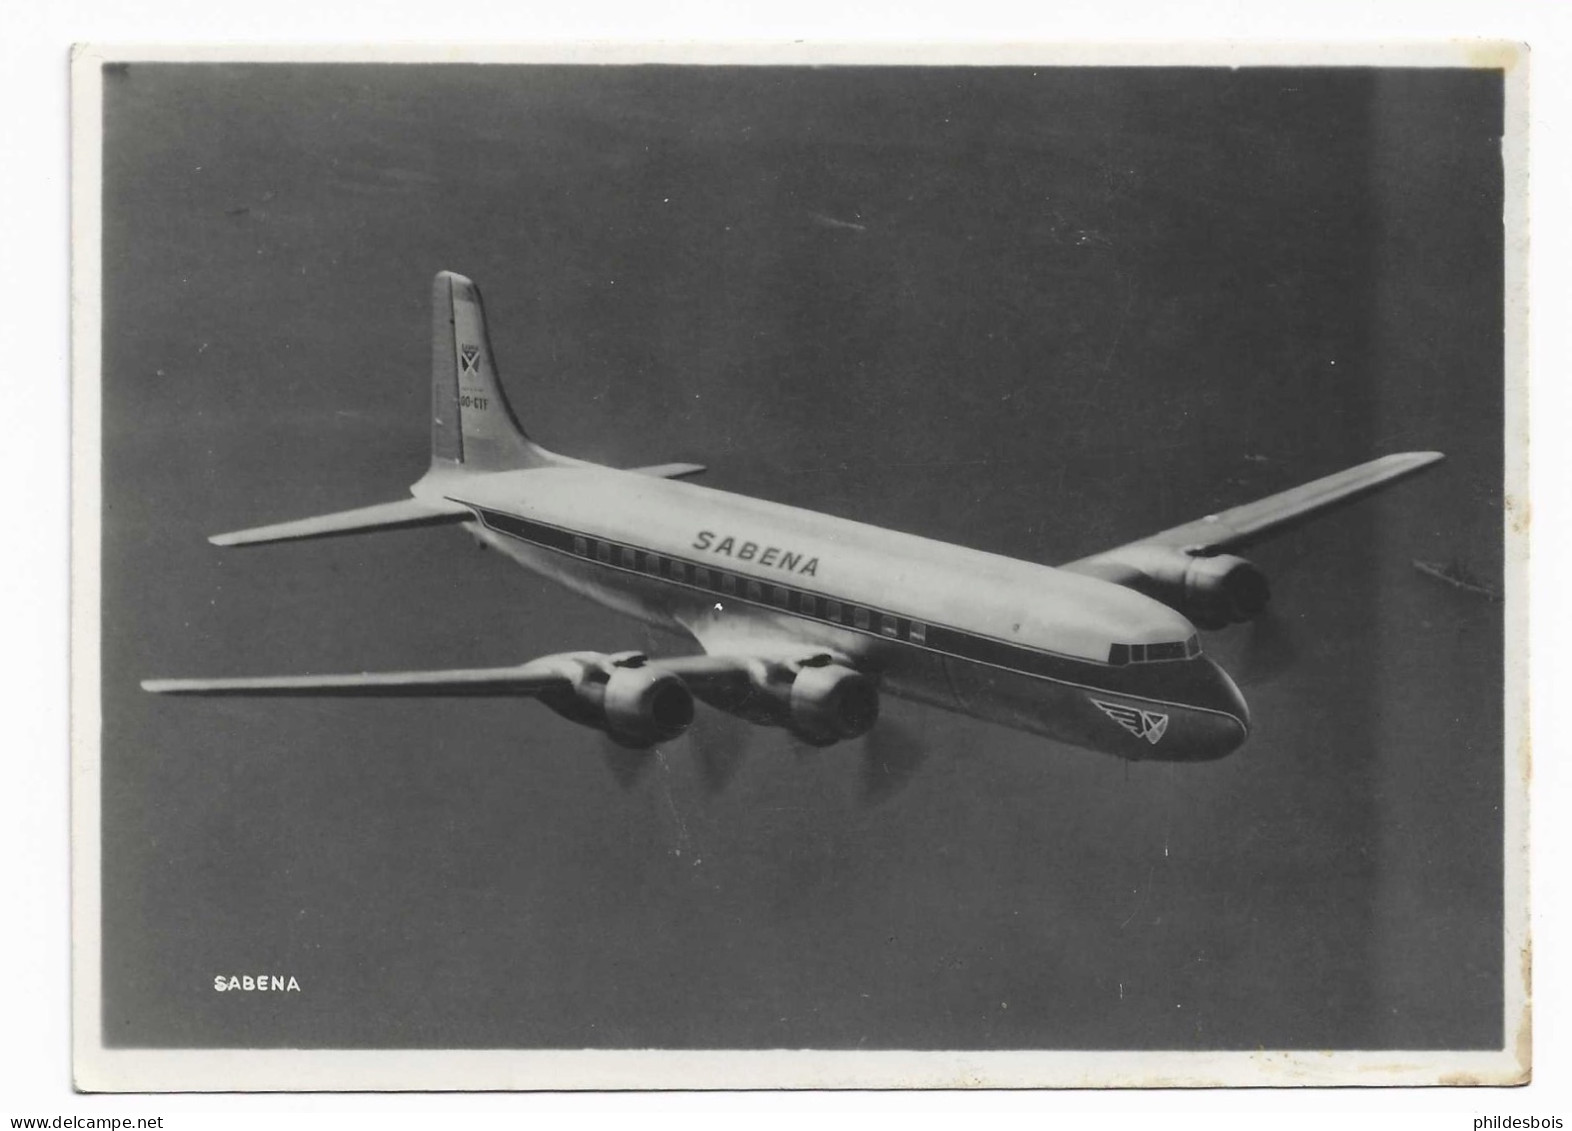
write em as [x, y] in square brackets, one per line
[804, 620]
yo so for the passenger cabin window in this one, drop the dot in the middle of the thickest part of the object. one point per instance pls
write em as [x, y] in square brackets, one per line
[860, 617]
[728, 583]
[779, 596]
[629, 558]
[603, 551]
[679, 571]
[810, 605]
[652, 563]
[918, 633]
[580, 546]
[889, 626]
[755, 591]
[701, 576]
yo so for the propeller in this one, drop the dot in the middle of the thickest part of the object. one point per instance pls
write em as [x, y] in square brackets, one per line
[720, 744]
[626, 762]
[803, 748]
[1268, 648]
[891, 755]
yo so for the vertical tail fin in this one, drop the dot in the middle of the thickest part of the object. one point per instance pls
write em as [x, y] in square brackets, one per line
[472, 424]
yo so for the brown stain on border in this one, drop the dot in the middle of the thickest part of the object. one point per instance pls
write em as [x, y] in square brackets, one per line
[1519, 513]
[1493, 55]
[1523, 1047]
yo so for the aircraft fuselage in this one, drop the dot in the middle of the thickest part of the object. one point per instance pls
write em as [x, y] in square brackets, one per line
[1017, 643]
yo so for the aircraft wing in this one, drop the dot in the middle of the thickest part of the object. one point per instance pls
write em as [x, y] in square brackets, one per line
[521, 680]
[741, 673]
[701, 672]
[382, 516]
[636, 700]
[1242, 526]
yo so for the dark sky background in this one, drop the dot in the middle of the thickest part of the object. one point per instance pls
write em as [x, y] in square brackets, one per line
[1036, 312]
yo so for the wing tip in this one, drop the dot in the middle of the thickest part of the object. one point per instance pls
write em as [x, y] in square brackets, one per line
[1413, 459]
[1401, 464]
[278, 532]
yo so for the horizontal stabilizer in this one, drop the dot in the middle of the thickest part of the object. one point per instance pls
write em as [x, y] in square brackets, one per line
[382, 516]
[523, 679]
[670, 470]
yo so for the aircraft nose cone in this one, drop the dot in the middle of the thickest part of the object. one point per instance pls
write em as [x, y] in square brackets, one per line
[1231, 695]
[1216, 723]
[1227, 723]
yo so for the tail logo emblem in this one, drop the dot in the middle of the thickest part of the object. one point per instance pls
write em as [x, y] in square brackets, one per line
[470, 356]
[1143, 724]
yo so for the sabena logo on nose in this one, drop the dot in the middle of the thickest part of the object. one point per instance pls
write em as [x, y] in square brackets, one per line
[1143, 724]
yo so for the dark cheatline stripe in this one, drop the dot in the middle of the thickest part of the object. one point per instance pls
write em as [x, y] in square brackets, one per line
[1178, 681]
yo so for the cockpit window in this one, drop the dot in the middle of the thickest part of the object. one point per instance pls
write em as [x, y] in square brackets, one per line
[1119, 654]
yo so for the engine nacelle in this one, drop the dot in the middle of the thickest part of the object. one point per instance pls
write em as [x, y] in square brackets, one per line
[820, 701]
[832, 702]
[646, 706]
[636, 705]
[1226, 589]
[1212, 591]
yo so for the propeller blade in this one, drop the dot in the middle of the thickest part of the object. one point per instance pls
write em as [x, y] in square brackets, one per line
[720, 744]
[626, 762]
[1269, 649]
[891, 755]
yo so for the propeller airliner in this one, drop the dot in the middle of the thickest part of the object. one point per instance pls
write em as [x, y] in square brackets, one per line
[804, 620]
